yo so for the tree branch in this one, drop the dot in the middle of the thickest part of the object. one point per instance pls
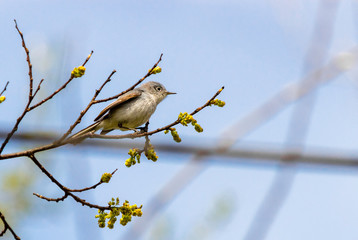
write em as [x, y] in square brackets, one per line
[27, 59]
[7, 227]
[4, 88]
[67, 191]
[58, 90]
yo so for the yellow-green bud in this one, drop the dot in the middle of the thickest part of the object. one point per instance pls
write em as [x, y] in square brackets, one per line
[2, 98]
[175, 135]
[198, 128]
[156, 70]
[106, 177]
[217, 102]
[78, 72]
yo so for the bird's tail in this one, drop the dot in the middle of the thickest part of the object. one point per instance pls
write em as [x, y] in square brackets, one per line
[76, 138]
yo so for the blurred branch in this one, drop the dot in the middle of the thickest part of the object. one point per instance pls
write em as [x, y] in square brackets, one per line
[298, 129]
[263, 153]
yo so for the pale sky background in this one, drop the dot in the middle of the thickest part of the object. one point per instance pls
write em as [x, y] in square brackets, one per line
[254, 48]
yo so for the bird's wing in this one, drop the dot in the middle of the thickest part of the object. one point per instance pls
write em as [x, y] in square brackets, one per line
[124, 98]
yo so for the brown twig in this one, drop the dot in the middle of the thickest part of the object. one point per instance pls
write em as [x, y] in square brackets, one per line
[4, 88]
[132, 87]
[51, 199]
[63, 188]
[60, 89]
[7, 227]
[87, 108]
[37, 89]
[89, 188]
[27, 59]
[14, 129]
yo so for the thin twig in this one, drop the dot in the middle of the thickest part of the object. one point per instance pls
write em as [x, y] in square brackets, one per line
[27, 59]
[37, 89]
[51, 199]
[14, 129]
[60, 89]
[7, 227]
[132, 87]
[63, 188]
[89, 188]
[4, 88]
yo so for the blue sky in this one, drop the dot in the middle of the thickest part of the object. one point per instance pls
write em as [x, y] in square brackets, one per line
[253, 48]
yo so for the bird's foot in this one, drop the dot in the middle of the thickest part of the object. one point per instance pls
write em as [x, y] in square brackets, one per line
[144, 129]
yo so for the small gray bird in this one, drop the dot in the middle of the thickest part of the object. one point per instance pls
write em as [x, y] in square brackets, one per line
[129, 111]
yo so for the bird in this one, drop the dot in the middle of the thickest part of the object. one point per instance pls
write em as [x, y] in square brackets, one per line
[128, 112]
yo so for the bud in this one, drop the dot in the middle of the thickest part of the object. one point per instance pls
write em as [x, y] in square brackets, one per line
[156, 70]
[78, 72]
[106, 177]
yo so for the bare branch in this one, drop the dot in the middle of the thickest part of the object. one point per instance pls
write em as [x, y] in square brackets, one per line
[4, 88]
[27, 59]
[63, 188]
[51, 199]
[89, 188]
[37, 89]
[7, 227]
[60, 89]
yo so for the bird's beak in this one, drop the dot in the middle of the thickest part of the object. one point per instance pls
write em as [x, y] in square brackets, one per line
[169, 93]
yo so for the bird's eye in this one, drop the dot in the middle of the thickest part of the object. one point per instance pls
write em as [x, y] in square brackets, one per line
[158, 88]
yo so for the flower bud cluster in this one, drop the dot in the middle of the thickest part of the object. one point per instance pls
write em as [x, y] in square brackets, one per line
[106, 177]
[174, 133]
[217, 102]
[126, 210]
[134, 157]
[78, 72]
[186, 118]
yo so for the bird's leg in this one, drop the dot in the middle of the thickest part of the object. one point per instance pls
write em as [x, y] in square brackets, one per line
[121, 126]
[145, 128]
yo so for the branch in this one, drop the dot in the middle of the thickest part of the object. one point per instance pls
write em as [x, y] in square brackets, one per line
[89, 188]
[58, 90]
[132, 87]
[138, 135]
[27, 59]
[31, 94]
[66, 190]
[4, 88]
[7, 227]
[90, 135]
